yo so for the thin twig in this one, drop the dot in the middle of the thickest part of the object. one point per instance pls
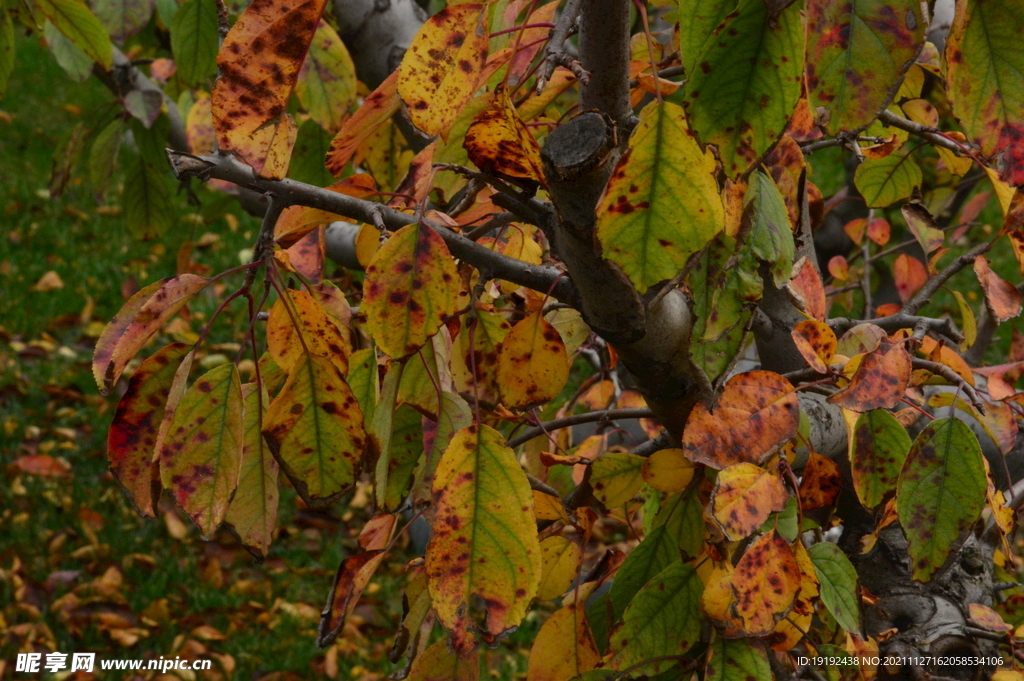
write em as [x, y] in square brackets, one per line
[953, 377]
[669, 72]
[496, 221]
[927, 133]
[895, 322]
[553, 55]
[590, 417]
[933, 284]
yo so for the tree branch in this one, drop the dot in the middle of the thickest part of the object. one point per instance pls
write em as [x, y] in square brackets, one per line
[933, 284]
[554, 54]
[605, 416]
[289, 192]
[922, 131]
[953, 377]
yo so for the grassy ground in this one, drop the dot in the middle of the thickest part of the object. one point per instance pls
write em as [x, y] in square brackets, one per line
[80, 571]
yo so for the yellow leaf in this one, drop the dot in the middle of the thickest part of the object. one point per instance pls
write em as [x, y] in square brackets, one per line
[499, 142]
[564, 647]
[50, 281]
[299, 325]
[561, 559]
[616, 477]
[532, 365]
[790, 630]
[475, 368]
[438, 663]
[668, 470]
[744, 496]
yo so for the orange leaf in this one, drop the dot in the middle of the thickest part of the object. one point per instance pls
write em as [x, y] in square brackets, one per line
[855, 230]
[878, 231]
[756, 413]
[442, 67]
[1001, 298]
[298, 221]
[839, 268]
[821, 482]
[765, 583]
[377, 109]
[987, 618]
[259, 64]
[816, 342]
[880, 381]
[352, 577]
[807, 290]
[499, 142]
[910, 276]
[743, 498]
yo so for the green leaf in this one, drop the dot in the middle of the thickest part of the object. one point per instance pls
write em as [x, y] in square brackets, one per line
[984, 63]
[74, 20]
[664, 618]
[941, 492]
[123, 18]
[327, 80]
[199, 460]
[194, 41]
[315, 429]
[103, 155]
[311, 147]
[771, 234]
[877, 453]
[253, 512]
[747, 83]
[737, 660]
[7, 49]
[362, 380]
[968, 323]
[148, 211]
[484, 543]
[77, 64]
[381, 430]
[884, 181]
[682, 515]
[406, 450]
[616, 477]
[837, 581]
[645, 225]
[697, 23]
[424, 373]
[856, 55]
[455, 415]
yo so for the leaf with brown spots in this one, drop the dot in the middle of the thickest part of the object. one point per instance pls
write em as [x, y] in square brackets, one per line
[816, 342]
[200, 459]
[765, 584]
[663, 619]
[326, 83]
[484, 546]
[771, 233]
[1001, 297]
[560, 559]
[983, 66]
[376, 110]
[439, 663]
[941, 493]
[736, 660]
[442, 67]
[564, 647]
[139, 320]
[499, 142]
[820, 484]
[475, 354]
[791, 630]
[806, 289]
[645, 225]
[411, 287]
[837, 579]
[857, 53]
[259, 64]
[298, 326]
[881, 379]
[746, 82]
[616, 477]
[744, 496]
[668, 470]
[757, 412]
[131, 441]
[532, 364]
[878, 449]
[315, 430]
[253, 511]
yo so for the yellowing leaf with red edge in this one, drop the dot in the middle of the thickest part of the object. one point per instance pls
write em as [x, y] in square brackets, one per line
[1001, 298]
[790, 630]
[259, 63]
[299, 324]
[821, 483]
[499, 142]
[807, 289]
[616, 477]
[839, 268]
[816, 342]
[744, 496]
[376, 110]
[131, 441]
[668, 470]
[442, 67]
[484, 542]
[253, 510]
[532, 365]
[645, 225]
[411, 287]
[765, 583]
[201, 457]
[881, 379]
[756, 413]
[138, 320]
[560, 560]
[314, 427]
[564, 647]
[987, 618]
[326, 83]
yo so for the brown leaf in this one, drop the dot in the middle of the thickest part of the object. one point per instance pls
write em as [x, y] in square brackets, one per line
[881, 379]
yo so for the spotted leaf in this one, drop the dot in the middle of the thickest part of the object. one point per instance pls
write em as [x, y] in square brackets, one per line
[253, 510]
[616, 477]
[532, 365]
[878, 450]
[765, 584]
[376, 110]
[743, 498]
[816, 342]
[326, 83]
[881, 379]
[499, 142]
[299, 325]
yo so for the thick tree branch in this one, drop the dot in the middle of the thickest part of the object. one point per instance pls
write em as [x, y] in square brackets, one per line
[377, 33]
[289, 192]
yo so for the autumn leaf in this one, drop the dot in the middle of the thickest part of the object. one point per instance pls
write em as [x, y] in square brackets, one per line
[480, 491]
[532, 365]
[616, 477]
[252, 513]
[326, 83]
[131, 441]
[201, 457]
[744, 496]
[314, 428]
[816, 342]
[881, 379]
[941, 492]
[791, 630]
[923, 226]
[560, 560]
[564, 647]
[475, 354]
[837, 580]
[887, 180]
[667, 470]
[375, 111]
[298, 325]
[259, 64]
[442, 66]
[821, 482]
[438, 663]
[410, 288]
[807, 288]
[139, 320]
[1002, 298]
[756, 413]
[499, 142]
[765, 584]
[644, 225]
